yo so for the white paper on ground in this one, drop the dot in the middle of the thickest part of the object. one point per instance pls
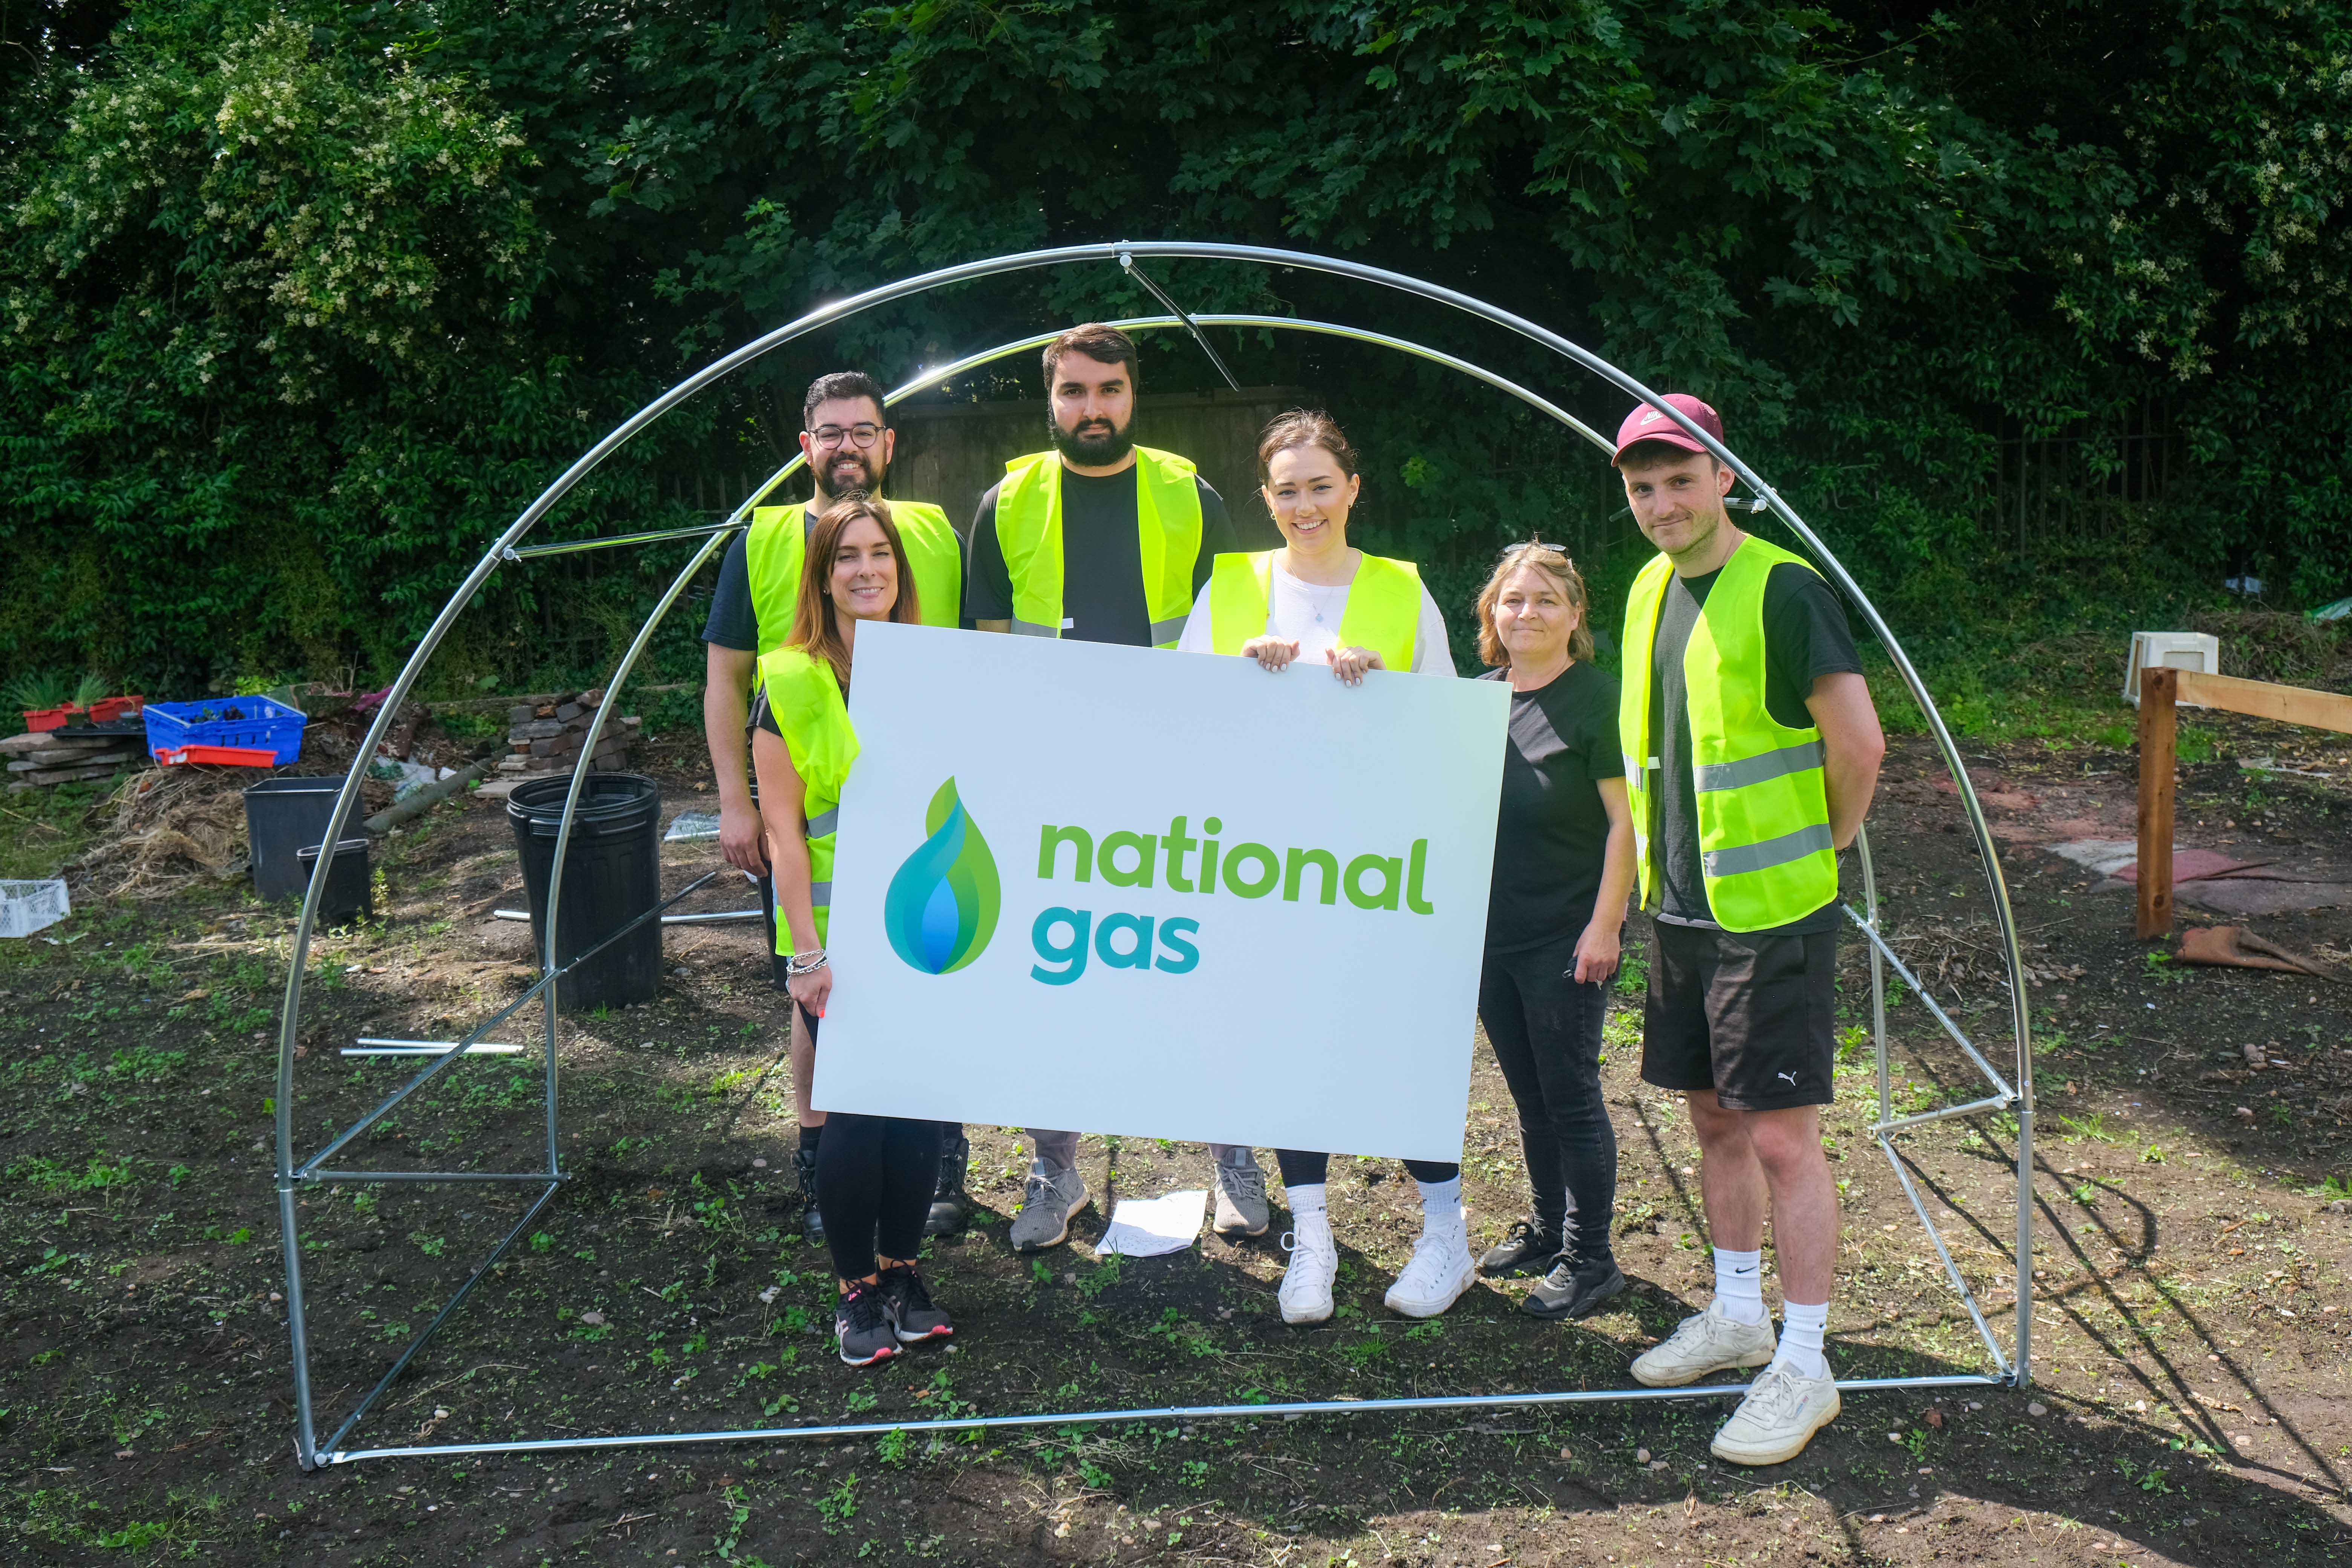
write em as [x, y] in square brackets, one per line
[1146, 1227]
[691, 824]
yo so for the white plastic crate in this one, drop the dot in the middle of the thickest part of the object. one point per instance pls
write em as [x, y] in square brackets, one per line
[27, 907]
[2182, 650]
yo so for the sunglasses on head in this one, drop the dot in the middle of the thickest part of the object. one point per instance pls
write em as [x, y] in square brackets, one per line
[1511, 549]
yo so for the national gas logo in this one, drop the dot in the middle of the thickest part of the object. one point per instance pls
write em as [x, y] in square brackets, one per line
[942, 905]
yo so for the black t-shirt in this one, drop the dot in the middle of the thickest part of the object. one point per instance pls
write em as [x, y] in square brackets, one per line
[1553, 833]
[1102, 560]
[734, 621]
[1805, 637]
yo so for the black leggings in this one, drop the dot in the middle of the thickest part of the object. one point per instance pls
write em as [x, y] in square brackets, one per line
[1544, 1027]
[1302, 1169]
[874, 1177]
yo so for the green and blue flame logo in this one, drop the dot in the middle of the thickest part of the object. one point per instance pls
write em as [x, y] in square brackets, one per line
[942, 904]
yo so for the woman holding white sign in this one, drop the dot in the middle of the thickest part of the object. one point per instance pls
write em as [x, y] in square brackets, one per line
[875, 1174]
[1563, 870]
[1320, 598]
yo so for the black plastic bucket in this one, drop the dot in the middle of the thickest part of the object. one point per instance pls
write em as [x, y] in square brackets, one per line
[612, 874]
[283, 816]
[345, 897]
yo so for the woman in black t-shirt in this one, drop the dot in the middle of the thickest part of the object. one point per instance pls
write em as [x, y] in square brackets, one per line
[1563, 870]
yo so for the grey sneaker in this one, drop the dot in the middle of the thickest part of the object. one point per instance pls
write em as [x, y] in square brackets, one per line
[862, 1326]
[1047, 1205]
[1574, 1290]
[1779, 1418]
[1241, 1200]
[1707, 1342]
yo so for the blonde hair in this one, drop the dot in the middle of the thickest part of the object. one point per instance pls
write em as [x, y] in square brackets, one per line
[1553, 563]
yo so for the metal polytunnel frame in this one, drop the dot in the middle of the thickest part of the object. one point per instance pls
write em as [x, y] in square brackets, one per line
[2013, 1093]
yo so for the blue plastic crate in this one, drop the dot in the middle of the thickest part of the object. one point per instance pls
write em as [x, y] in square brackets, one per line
[259, 721]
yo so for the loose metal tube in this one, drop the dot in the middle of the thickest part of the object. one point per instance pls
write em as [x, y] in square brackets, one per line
[1929, 1001]
[1877, 971]
[389, 1041]
[1951, 1269]
[966, 271]
[1099, 1417]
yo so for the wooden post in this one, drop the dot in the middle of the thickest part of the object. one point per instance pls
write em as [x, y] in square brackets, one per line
[2158, 686]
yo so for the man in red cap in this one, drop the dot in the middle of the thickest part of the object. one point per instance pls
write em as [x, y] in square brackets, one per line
[1751, 749]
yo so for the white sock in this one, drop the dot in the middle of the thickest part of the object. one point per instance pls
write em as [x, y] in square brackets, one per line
[1801, 1328]
[1308, 1217]
[1440, 1203]
[1739, 1285]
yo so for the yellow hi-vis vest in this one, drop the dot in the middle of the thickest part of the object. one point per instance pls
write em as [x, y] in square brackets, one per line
[774, 548]
[806, 702]
[1765, 853]
[1168, 523]
[1384, 611]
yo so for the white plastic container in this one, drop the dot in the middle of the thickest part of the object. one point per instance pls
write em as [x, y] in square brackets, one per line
[27, 907]
[2180, 651]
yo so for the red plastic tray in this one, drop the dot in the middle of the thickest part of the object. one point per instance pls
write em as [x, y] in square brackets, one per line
[106, 709]
[232, 756]
[38, 718]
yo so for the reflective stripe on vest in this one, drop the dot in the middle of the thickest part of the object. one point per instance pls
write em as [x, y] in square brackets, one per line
[778, 539]
[1384, 606]
[1766, 856]
[806, 702]
[1168, 531]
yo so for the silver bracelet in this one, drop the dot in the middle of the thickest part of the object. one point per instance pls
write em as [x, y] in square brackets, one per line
[796, 965]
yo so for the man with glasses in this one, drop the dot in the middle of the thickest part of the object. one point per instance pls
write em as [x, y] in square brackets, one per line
[1097, 539]
[846, 437]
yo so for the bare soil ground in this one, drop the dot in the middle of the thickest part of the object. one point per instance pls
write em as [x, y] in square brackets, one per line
[2190, 1396]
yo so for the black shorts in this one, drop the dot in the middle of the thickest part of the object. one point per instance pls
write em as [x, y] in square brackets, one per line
[1751, 1017]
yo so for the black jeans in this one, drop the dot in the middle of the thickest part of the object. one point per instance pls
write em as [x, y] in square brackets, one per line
[874, 1177]
[1301, 1167]
[1546, 1031]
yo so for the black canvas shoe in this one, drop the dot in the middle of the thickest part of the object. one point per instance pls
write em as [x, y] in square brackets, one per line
[913, 1312]
[1574, 1290]
[862, 1326]
[1528, 1249]
[812, 1222]
[951, 1205]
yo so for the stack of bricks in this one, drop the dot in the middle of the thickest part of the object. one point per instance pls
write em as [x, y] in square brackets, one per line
[546, 737]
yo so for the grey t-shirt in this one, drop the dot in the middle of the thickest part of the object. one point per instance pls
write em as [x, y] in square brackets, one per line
[1805, 636]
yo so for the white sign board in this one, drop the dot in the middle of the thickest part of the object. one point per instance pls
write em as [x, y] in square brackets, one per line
[1113, 889]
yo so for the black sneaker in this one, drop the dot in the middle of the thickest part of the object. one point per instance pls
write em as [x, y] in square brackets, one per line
[913, 1312]
[861, 1324]
[1528, 1249]
[1574, 1290]
[812, 1222]
[950, 1206]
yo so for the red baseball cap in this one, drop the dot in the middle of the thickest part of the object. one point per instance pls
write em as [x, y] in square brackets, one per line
[1646, 424]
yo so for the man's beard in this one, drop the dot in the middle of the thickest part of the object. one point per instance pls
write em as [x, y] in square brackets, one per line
[868, 484]
[1095, 447]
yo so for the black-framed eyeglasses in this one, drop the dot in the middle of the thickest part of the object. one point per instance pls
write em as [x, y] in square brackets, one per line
[831, 436]
[1511, 549]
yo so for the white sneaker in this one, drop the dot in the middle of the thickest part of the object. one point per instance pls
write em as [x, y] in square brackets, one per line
[1305, 1294]
[1707, 1342]
[1781, 1413]
[1440, 1271]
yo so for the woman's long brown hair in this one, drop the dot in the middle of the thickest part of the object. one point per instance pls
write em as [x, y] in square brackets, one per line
[815, 632]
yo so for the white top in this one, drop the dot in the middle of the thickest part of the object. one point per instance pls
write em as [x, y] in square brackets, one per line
[1309, 615]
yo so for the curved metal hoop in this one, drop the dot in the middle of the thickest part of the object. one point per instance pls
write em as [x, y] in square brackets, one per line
[2016, 1098]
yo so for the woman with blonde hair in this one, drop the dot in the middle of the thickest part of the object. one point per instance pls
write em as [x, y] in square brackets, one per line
[1563, 870]
[1320, 598]
[875, 1174]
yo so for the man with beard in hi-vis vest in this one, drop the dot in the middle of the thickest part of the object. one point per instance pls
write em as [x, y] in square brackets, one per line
[1751, 751]
[846, 434]
[1099, 539]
